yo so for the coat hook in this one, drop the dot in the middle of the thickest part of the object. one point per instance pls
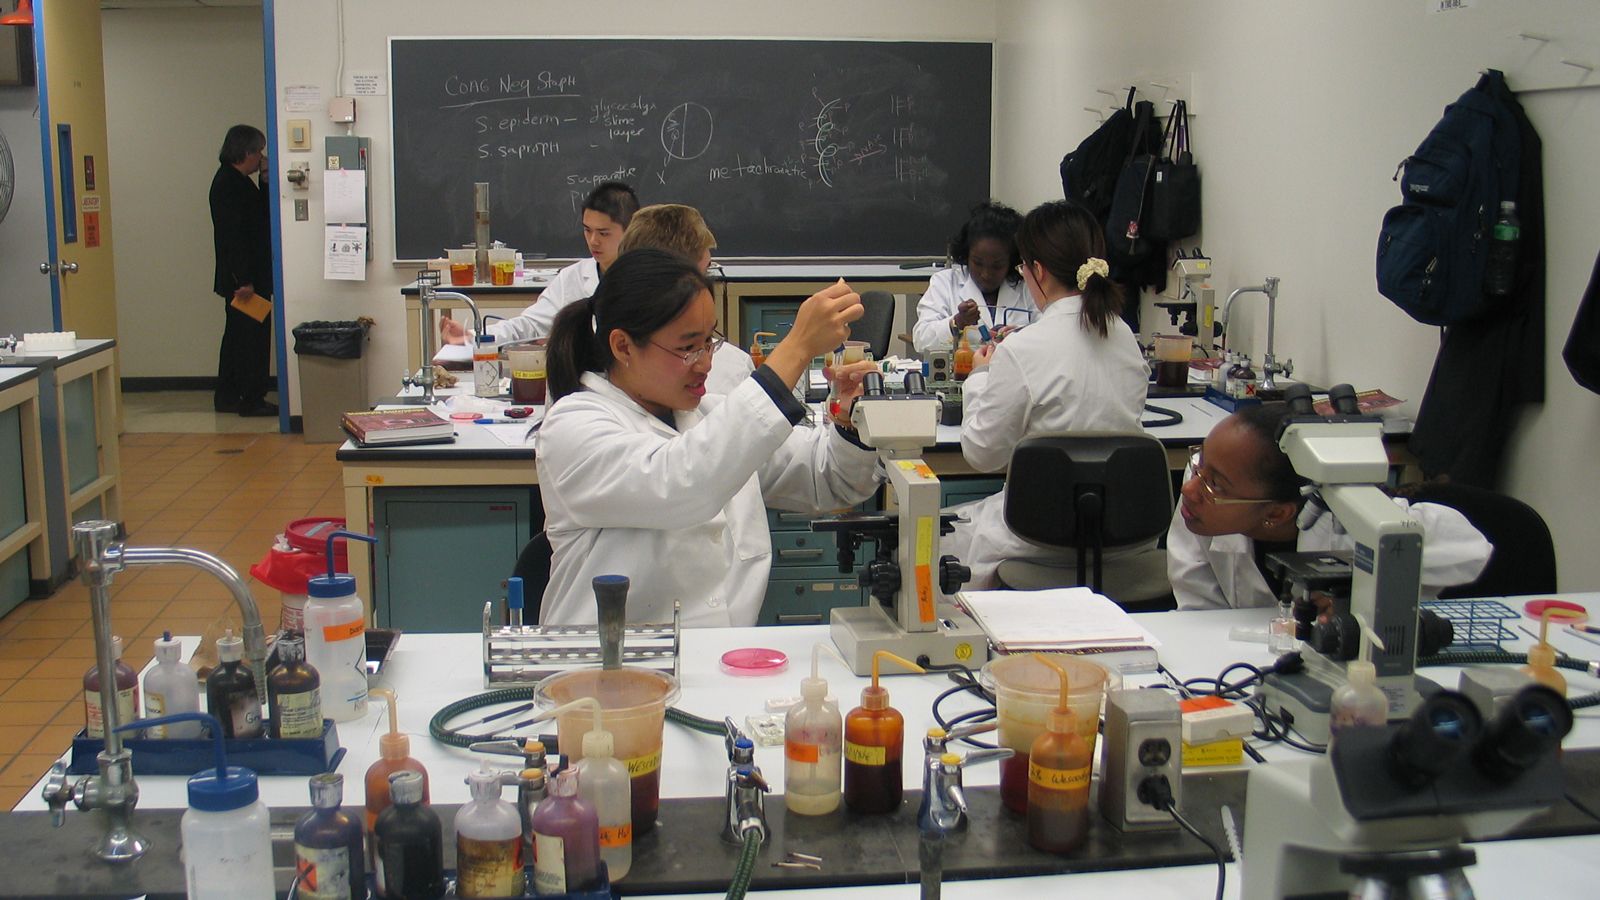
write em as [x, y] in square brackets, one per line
[1531, 36]
[1577, 64]
[1106, 92]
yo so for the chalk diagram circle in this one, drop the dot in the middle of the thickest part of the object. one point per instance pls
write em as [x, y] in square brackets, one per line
[686, 131]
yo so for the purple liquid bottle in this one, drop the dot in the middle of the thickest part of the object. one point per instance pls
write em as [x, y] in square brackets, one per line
[566, 837]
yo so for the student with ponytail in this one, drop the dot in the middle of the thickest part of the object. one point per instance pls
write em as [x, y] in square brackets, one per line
[1077, 368]
[646, 475]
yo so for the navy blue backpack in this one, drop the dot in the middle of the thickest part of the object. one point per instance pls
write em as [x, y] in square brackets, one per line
[1432, 247]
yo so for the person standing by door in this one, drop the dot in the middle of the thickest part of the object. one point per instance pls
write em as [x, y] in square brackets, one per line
[242, 234]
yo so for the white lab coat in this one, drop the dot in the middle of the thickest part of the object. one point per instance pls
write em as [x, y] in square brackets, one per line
[730, 367]
[571, 284]
[680, 512]
[1051, 378]
[1220, 572]
[947, 290]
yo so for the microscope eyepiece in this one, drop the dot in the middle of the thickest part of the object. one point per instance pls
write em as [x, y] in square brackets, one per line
[1343, 398]
[1443, 727]
[872, 384]
[1298, 396]
[1531, 725]
[915, 384]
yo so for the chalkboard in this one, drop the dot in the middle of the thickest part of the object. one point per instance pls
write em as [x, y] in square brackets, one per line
[788, 148]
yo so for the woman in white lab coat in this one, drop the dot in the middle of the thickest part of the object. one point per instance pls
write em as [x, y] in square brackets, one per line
[982, 287]
[646, 475]
[1077, 368]
[606, 212]
[1241, 501]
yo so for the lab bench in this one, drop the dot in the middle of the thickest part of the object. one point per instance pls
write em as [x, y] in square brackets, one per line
[429, 671]
[505, 301]
[24, 546]
[78, 422]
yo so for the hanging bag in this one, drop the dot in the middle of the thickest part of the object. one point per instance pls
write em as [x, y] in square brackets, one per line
[1126, 243]
[1089, 173]
[1174, 208]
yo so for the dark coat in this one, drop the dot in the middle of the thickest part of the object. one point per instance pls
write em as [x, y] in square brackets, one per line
[242, 233]
[1582, 352]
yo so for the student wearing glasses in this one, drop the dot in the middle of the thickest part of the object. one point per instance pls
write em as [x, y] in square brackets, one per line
[645, 474]
[983, 286]
[1241, 501]
[1078, 368]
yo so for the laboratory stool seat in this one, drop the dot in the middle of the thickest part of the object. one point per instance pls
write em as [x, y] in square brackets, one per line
[876, 324]
[1096, 493]
[1524, 557]
[533, 567]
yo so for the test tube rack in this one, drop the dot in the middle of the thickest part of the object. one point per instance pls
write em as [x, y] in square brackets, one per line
[515, 656]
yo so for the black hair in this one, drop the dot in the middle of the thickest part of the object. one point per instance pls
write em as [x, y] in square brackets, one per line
[1273, 469]
[241, 141]
[989, 219]
[1062, 236]
[641, 292]
[614, 199]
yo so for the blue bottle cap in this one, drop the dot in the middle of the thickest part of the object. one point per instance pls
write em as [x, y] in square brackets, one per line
[328, 587]
[222, 788]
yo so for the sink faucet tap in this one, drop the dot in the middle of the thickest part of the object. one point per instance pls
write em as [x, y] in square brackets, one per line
[1270, 367]
[944, 806]
[745, 795]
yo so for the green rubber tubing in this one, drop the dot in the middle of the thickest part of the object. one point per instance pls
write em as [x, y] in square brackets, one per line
[747, 865]
[438, 730]
[1503, 657]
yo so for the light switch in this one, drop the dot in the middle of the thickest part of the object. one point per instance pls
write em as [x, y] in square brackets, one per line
[302, 210]
[300, 134]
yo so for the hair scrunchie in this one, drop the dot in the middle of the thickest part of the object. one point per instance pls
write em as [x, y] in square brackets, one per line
[1094, 265]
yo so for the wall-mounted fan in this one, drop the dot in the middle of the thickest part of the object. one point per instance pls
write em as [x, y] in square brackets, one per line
[8, 177]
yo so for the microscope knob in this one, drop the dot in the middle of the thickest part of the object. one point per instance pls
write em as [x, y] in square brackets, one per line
[952, 574]
[881, 578]
[1337, 638]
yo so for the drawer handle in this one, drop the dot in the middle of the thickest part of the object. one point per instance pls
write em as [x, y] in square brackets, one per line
[800, 554]
[794, 517]
[810, 619]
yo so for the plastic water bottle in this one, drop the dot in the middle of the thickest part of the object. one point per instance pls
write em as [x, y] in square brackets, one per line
[170, 688]
[336, 638]
[1500, 267]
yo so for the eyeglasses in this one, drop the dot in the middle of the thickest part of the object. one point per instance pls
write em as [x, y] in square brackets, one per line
[713, 344]
[1208, 491]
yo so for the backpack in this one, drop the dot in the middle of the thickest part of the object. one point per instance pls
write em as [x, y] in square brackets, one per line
[1432, 247]
[1089, 173]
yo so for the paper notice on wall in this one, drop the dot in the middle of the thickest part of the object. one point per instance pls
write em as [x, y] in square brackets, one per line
[302, 98]
[344, 253]
[368, 84]
[344, 197]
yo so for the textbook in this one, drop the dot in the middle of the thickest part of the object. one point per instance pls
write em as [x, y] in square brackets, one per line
[379, 427]
[1063, 620]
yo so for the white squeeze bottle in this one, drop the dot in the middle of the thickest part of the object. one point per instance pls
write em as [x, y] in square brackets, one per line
[604, 783]
[171, 688]
[1358, 702]
[813, 736]
[336, 638]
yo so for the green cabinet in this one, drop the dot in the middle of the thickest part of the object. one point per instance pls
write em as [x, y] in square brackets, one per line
[774, 314]
[443, 552]
[954, 491]
[14, 570]
[805, 582]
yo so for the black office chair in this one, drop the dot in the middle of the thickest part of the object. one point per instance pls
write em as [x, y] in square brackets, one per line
[876, 326]
[1524, 557]
[1092, 492]
[533, 567]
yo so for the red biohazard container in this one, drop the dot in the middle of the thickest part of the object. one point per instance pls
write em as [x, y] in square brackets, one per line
[299, 553]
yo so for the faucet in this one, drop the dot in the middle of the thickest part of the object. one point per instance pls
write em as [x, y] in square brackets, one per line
[427, 281]
[114, 791]
[944, 802]
[745, 795]
[1269, 364]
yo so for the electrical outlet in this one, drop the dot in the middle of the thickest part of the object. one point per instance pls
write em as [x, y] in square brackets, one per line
[1143, 740]
[302, 209]
[300, 134]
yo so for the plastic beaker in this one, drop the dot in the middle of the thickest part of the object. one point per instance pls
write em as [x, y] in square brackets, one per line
[1025, 691]
[854, 352]
[1173, 352]
[526, 361]
[463, 269]
[634, 708]
[502, 265]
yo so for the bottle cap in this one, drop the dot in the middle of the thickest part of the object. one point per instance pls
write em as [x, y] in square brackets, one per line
[597, 744]
[327, 790]
[874, 697]
[208, 793]
[229, 647]
[405, 787]
[566, 784]
[291, 649]
[331, 587]
[485, 338]
[116, 647]
[484, 783]
[1062, 720]
[813, 688]
[168, 648]
[1361, 672]
[1542, 654]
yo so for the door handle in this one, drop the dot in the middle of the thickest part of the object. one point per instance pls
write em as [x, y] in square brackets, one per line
[66, 268]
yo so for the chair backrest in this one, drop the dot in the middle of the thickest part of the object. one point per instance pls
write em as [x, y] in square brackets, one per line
[1524, 557]
[1113, 484]
[533, 567]
[876, 326]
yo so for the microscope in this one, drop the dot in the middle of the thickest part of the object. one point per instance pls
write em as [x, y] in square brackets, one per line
[1196, 306]
[1385, 812]
[1343, 457]
[910, 613]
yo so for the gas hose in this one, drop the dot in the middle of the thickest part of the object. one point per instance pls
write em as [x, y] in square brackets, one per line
[1504, 657]
[439, 730]
[743, 872]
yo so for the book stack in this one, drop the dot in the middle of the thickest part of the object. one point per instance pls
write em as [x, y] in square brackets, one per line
[1062, 620]
[397, 427]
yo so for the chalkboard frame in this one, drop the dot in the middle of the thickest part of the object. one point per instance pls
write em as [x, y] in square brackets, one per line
[935, 238]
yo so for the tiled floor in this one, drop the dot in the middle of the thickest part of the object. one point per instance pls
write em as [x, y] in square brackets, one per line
[186, 412]
[227, 494]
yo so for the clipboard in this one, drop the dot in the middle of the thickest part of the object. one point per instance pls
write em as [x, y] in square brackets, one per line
[255, 306]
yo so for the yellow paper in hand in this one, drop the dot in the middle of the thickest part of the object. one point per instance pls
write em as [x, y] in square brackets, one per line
[255, 306]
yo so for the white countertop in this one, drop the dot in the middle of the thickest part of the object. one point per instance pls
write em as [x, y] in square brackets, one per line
[10, 375]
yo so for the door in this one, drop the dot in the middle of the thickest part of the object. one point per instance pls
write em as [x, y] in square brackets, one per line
[72, 123]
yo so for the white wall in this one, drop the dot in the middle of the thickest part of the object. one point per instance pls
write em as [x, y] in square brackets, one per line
[307, 54]
[1303, 112]
[176, 80]
[24, 293]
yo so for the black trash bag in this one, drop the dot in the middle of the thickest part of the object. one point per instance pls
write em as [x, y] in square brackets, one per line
[336, 340]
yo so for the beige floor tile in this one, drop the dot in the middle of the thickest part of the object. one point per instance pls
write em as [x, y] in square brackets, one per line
[12, 647]
[57, 667]
[25, 770]
[31, 712]
[44, 628]
[12, 668]
[58, 608]
[55, 737]
[44, 689]
[78, 648]
[16, 738]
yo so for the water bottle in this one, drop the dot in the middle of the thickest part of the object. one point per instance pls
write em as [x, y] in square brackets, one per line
[336, 638]
[1500, 268]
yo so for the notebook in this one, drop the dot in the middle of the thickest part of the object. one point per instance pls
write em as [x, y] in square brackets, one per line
[1062, 620]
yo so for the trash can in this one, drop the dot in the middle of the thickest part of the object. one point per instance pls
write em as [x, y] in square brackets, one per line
[333, 377]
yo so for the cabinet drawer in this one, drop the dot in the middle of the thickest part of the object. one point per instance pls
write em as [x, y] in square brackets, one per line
[796, 601]
[954, 491]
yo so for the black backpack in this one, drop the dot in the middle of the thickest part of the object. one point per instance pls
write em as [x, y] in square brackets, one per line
[1089, 173]
[1432, 247]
